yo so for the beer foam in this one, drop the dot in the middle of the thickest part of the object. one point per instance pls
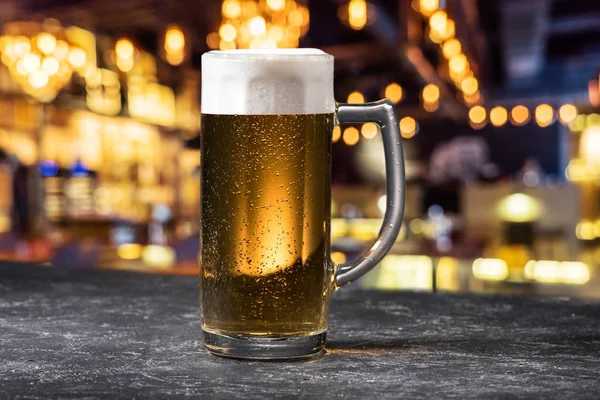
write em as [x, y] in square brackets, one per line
[267, 82]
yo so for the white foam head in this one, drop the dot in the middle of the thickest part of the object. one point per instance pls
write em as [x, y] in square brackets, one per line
[267, 82]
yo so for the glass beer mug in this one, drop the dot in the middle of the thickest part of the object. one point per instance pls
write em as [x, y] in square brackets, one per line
[266, 275]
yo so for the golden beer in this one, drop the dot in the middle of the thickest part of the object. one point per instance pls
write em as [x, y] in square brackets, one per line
[265, 268]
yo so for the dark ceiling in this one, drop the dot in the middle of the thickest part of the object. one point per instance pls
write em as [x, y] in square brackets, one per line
[522, 50]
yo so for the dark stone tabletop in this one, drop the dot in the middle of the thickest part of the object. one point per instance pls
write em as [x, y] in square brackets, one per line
[107, 334]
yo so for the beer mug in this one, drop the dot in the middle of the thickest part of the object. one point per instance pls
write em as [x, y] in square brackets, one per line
[266, 275]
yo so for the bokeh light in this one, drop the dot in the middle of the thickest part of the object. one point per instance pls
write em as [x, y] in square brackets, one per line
[351, 136]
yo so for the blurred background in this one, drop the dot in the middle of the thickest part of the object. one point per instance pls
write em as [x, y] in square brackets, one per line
[498, 100]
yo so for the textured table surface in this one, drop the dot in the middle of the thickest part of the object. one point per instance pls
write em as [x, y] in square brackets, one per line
[122, 335]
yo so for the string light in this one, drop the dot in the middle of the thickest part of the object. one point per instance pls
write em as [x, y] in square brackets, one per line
[408, 127]
[337, 133]
[428, 7]
[469, 85]
[544, 115]
[519, 115]
[394, 92]
[369, 130]
[431, 93]
[351, 136]
[498, 116]
[567, 113]
[451, 48]
[356, 98]
[357, 14]
[477, 115]
[474, 99]
[438, 21]
[447, 33]
[459, 64]
[227, 32]
[231, 9]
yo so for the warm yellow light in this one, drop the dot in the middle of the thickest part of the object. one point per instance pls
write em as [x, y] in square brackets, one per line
[175, 58]
[276, 33]
[351, 136]
[519, 207]
[544, 115]
[574, 272]
[490, 269]
[589, 146]
[474, 99]
[405, 272]
[225, 45]
[357, 14]
[276, 5]
[124, 49]
[438, 21]
[431, 93]
[158, 256]
[578, 124]
[427, 7]
[394, 92]
[231, 9]
[498, 116]
[31, 62]
[597, 228]
[447, 33]
[408, 127]
[469, 85]
[295, 18]
[567, 272]
[174, 39]
[519, 115]
[21, 70]
[21, 46]
[212, 40]
[77, 57]
[227, 32]
[369, 130]
[38, 79]
[129, 251]
[567, 113]
[585, 230]
[125, 64]
[459, 64]
[338, 257]
[62, 49]
[356, 98]
[477, 115]
[46, 42]
[451, 48]
[258, 26]
[337, 133]
[431, 107]
[50, 65]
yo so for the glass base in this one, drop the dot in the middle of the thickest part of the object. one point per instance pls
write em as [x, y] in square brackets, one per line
[265, 348]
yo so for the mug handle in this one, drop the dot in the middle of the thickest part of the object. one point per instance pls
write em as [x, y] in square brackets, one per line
[383, 113]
